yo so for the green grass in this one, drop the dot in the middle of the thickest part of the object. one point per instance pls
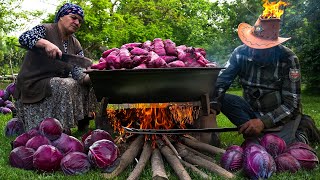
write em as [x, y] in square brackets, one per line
[311, 106]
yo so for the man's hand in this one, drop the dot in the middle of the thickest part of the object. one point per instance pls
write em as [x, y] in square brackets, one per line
[252, 127]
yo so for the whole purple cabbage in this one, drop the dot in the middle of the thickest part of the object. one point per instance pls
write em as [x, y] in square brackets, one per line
[4, 95]
[67, 144]
[286, 162]
[10, 106]
[51, 128]
[14, 127]
[232, 160]
[259, 165]
[235, 147]
[103, 153]
[10, 88]
[251, 148]
[1, 100]
[96, 135]
[21, 157]
[47, 158]
[7, 102]
[249, 141]
[307, 158]
[84, 136]
[75, 163]
[5, 110]
[273, 144]
[37, 141]
[21, 140]
[300, 145]
[33, 132]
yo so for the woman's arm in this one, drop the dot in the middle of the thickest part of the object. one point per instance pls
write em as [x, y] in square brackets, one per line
[35, 38]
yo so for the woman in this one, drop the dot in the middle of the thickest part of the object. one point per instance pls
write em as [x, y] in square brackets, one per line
[46, 87]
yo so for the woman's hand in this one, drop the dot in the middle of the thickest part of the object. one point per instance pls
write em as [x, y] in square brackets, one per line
[86, 80]
[51, 49]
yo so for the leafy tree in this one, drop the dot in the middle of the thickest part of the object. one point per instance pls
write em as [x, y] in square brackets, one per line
[302, 24]
[225, 18]
[198, 23]
[10, 20]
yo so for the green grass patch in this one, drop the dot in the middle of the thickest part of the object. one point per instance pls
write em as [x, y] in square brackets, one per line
[310, 103]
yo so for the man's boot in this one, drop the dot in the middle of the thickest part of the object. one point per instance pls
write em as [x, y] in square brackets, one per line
[308, 128]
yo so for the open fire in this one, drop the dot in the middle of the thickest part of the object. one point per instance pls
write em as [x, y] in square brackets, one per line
[273, 9]
[152, 116]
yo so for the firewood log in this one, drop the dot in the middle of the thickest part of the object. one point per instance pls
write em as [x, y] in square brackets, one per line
[173, 160]
[127, 158]
[143, 160]
[202, 146]
[195, 159]
[158, 171]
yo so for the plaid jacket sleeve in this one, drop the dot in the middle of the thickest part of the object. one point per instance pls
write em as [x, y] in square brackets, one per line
[225, 79]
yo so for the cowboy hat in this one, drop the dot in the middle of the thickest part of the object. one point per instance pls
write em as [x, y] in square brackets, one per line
[264, 34]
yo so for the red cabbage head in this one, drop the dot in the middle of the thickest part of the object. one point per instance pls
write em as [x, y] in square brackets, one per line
[51, 128]
[273, 144]
[259, 165]
[47, 158]
[21, 157]
[75, 163]
[103, 153]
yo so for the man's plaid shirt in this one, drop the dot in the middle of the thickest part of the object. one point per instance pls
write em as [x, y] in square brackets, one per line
[272, 89]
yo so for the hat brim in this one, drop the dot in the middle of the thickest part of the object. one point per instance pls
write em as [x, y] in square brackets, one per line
[245, 35]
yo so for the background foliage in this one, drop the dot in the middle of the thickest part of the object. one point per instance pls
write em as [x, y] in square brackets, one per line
[208, 24]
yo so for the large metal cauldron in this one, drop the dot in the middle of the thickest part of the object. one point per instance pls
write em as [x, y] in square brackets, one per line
[153, 85]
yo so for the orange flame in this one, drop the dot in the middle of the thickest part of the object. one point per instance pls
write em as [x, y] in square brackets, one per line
[152, 116]
[273, 9]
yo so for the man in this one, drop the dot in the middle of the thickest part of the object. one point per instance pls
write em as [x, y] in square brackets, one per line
[269, 74]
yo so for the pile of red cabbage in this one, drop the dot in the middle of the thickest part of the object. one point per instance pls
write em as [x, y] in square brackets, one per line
[260, 158]
[153, 54]
[6, 104]
[47, 149]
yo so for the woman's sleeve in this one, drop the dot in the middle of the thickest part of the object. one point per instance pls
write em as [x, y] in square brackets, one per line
[30, 38]
[77, 72]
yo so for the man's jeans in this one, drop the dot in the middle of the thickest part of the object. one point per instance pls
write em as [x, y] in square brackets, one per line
[238, 111]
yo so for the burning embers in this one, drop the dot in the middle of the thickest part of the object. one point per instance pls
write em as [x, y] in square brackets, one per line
[273, 9]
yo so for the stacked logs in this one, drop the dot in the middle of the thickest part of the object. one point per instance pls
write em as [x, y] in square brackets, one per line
[181, 154]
